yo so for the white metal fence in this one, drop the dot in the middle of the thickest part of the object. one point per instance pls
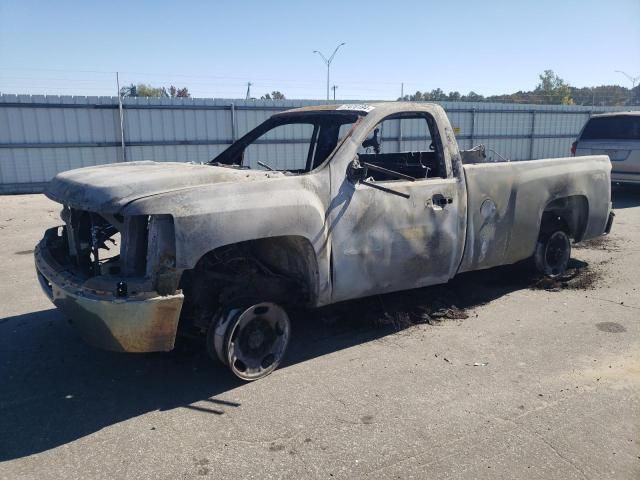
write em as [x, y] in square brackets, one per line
[43, 135]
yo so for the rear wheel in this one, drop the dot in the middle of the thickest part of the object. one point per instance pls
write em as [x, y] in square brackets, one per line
[251, 340]
[553, 251]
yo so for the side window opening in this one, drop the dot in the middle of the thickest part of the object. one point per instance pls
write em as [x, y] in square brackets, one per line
[294, 145]
[407, 144]
[284, 147]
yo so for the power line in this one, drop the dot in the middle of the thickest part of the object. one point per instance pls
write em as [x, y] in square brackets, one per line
[225, 87]
[221, 80]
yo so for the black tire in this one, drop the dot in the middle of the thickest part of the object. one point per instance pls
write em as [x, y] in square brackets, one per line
[553, 251]
[221, 315]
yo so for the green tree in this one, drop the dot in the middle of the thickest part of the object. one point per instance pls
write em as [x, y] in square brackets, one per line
[435, 95]
[454, 96]
[472, 97]
[129, 91]
[416, 97]
[179, 92]
[144, 90]
[614, 95]
[275, 95]
[552, 89]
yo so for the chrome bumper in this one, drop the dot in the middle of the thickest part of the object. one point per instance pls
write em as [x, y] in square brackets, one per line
[145, 322]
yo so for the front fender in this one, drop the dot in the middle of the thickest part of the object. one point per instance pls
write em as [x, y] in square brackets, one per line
[209, 217]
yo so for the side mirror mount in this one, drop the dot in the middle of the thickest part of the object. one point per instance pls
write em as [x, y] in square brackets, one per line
[355, 172]
[358, 173]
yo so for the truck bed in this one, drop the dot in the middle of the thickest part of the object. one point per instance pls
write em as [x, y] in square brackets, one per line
[505, 202]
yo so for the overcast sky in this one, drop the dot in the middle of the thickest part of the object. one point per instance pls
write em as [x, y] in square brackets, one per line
[215, 48]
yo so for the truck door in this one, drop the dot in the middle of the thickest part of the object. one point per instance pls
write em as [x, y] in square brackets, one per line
[397, 226]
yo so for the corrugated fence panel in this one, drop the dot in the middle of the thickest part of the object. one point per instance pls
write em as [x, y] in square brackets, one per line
[41, 136]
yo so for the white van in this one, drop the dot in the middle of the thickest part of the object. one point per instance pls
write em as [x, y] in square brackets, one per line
[616, 135]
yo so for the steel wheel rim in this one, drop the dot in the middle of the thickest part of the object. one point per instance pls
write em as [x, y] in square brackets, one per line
[257, 341]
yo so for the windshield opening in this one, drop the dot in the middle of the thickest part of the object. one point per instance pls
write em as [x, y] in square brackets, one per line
[296, 142]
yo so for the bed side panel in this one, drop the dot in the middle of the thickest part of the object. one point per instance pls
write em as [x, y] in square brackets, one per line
[506, 201]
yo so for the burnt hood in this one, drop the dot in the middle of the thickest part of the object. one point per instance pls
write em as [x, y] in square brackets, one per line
[108, 188]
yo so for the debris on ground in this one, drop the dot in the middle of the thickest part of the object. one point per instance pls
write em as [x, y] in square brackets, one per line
[578, 278]
[450, 313]
[477, 364]
[436, 313]
[604, 242]
[456, 300]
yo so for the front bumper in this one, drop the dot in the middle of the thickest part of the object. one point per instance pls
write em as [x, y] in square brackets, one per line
[144, 322]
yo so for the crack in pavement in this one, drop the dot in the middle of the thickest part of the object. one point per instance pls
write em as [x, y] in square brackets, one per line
[614, 302]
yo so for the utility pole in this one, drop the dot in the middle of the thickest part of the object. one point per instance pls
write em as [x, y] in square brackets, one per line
[334, 92]
[402, 91]
[328, 61]
[248, 96]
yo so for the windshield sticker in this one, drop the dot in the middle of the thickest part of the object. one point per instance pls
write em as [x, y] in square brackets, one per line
[359, 107]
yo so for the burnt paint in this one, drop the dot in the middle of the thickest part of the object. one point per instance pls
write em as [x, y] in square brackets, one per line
[398, 245]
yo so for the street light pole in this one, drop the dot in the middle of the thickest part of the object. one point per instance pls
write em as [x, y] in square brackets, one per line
[328, 66]
[328, 61]
[633, 80]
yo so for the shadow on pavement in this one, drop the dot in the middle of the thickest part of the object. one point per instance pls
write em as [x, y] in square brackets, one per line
[56, 389]
[625, 196]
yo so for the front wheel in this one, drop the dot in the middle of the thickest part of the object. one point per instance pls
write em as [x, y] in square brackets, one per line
[252, 340]
[553, 252]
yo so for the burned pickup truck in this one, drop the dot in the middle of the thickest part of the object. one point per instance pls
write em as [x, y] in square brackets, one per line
[365, 199]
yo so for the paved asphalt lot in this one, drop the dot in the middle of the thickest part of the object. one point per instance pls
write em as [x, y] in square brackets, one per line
[558, 398]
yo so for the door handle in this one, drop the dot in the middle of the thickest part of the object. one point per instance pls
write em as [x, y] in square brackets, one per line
[441, 200]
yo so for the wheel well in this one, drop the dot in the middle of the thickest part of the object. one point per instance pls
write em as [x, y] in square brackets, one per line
[281, 269]
[292, 256]
[572, 211]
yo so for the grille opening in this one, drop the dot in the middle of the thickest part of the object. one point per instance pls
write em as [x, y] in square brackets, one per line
[105, 244]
